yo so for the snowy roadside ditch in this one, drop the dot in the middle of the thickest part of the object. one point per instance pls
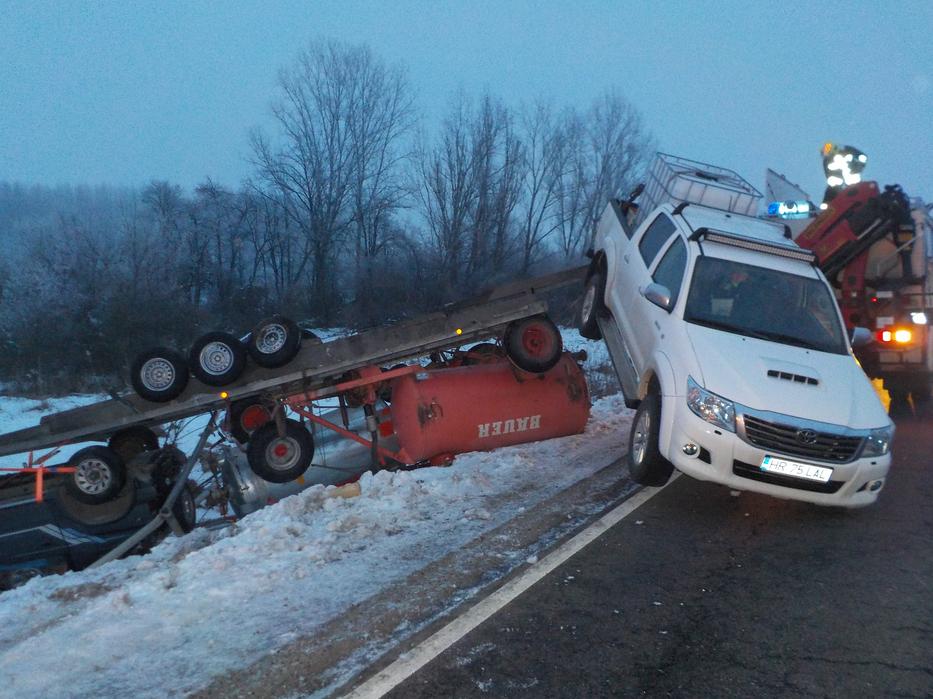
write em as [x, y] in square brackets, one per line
[212, 601]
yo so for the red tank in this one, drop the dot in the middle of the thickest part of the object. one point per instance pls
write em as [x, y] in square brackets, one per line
[476, 408]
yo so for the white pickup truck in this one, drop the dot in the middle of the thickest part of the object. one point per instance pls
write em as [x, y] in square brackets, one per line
[728, 340]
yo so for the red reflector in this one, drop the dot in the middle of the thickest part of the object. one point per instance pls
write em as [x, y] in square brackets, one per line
[386, 429]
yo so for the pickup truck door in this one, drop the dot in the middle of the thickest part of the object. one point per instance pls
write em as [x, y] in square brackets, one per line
[668, 269]
[626, 302]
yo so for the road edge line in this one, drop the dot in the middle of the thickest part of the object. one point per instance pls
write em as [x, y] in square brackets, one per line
[413, 660]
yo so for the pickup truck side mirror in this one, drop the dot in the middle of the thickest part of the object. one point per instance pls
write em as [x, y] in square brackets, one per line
[860, 337]
[659, 295]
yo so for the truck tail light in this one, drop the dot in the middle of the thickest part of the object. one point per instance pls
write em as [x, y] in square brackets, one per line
[897, 336]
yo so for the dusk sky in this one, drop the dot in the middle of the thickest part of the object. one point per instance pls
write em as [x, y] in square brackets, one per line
[123, 93]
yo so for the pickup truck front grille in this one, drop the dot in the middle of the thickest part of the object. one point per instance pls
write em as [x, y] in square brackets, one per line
[794, 441]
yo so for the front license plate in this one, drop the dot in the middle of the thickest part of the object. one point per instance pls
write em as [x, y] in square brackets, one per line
[774, 464]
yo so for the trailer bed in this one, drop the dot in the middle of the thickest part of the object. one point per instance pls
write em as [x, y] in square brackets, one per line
[314, 366]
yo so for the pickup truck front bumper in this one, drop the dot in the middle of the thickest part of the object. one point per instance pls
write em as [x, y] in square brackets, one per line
[724, 457]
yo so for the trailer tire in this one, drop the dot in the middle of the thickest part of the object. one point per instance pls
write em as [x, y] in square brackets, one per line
[130, 442]
[591, 306]
[100, 475]
[645, 463]
[533, 344]
[246, 416]
[280, 459]
[185, 510]
[274, 342]
[159, 375]
[217, 359]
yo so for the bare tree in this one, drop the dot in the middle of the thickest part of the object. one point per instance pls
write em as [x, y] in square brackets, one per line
[340, 117]
[546, 154]
[610, 148]
[470, 185]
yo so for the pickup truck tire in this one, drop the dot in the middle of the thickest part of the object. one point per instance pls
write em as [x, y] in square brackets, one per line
[274, 342]
[645, 463]
[280, 459]
[99, 476]
[217, 359]
[159, 374]
[591, 306]
[246, 416]
[533, 344]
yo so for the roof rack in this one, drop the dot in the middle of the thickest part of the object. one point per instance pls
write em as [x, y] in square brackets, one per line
[790, 250]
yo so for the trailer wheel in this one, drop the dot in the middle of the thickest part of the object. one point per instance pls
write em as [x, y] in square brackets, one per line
[100, 474]
[274, 342]
[280, 459]
[131, 442]
[592, 305]
[533, 344]
[217, 359]
[645, 463]
[159, 375]
[185, 510]
[246, 416]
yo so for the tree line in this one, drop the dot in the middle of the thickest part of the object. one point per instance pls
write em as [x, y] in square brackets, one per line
[357, 212]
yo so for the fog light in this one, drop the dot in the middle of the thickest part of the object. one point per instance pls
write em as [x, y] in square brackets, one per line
[691, 449]
[875, 486]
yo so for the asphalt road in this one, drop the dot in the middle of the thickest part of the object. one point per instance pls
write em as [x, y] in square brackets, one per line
[700, 593]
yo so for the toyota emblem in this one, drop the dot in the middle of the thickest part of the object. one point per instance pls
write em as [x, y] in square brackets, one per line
[806, 436]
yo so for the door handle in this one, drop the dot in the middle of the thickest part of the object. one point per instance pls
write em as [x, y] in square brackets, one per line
[625, 257]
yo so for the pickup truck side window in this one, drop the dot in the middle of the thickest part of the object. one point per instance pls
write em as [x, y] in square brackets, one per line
[670, 270]
[654, 238]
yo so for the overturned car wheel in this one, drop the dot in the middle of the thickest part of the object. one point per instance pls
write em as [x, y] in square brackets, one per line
[99, 475]
[217, 359]
[159, 374]
[274, 342]
[280, 459]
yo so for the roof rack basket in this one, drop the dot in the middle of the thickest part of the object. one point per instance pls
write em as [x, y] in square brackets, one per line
[676, 180]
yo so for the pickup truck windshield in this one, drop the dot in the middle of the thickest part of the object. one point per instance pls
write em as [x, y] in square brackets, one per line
[764, 303]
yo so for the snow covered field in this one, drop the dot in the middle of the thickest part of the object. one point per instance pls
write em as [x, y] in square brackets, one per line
[218, 600]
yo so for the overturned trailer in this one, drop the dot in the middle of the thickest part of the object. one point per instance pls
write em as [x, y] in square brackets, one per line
[511, 386]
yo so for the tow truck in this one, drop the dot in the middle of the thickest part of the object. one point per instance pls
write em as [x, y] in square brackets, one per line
[873, 244]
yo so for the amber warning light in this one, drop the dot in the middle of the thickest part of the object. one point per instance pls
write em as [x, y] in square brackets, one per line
[899, 336]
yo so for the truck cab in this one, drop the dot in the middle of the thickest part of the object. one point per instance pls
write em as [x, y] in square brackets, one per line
[728, 340]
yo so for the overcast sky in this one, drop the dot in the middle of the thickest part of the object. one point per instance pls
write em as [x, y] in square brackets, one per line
[127, 92]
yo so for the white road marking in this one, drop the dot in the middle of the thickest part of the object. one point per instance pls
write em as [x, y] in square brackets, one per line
[419, 656]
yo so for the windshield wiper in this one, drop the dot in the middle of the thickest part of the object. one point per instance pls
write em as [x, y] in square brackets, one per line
[790, 340]
[759, 334]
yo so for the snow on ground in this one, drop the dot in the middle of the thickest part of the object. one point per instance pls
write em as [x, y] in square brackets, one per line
[215, 600]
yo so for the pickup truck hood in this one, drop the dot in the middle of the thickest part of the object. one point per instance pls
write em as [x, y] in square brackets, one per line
[737, 367]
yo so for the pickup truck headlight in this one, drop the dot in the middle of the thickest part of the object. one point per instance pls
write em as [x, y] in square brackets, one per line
[710, 407]
[878, 442]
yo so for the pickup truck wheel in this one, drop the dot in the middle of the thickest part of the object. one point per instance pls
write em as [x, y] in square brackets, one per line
[280, 459]
[645, 463]
[217, 359]
[99, 475]
[246, 416]
[274, 342]
[159, 375]
[533, 344]
[592, 305]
